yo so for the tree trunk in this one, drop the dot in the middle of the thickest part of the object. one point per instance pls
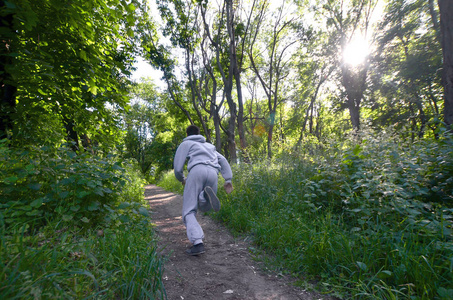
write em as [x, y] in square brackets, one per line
[421, 114]
[195, 92]
[218, 140]
[354, 82]
[269, 140]
[446, 29]
[434, 20]
[240, 116]
[234, 67]
[7, 89]
[354, 113]
[214, 112]
[72, 134]
[322, 79]
[228, 80]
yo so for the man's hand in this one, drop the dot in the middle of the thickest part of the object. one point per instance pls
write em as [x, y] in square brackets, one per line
[228, 187]
[183, 181]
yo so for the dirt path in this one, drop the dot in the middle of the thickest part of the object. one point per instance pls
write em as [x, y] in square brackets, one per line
[225, 271]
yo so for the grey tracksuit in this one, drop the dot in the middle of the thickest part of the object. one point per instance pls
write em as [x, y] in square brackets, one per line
[203, 166]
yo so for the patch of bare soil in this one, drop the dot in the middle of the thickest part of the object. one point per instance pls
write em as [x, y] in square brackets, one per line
[225, 271]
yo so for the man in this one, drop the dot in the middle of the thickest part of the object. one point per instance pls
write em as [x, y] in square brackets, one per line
[200, 186]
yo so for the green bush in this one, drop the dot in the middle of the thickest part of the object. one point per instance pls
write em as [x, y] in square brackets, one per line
[44, 184]
[370, 220]
[74, 226]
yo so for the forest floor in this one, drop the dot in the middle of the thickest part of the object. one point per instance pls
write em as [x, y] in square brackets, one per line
[226, 271]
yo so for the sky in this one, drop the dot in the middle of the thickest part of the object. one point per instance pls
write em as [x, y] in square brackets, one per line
[144, 69]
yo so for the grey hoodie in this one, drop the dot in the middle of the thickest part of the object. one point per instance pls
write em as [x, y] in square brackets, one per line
[195, 148]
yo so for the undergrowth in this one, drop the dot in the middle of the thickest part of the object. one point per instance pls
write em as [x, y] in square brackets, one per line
[74, 226]
[368, 220]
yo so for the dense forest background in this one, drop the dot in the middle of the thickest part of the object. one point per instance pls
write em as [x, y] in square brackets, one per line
[336, 116]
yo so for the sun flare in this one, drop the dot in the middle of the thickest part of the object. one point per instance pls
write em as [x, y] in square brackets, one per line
[356, 52]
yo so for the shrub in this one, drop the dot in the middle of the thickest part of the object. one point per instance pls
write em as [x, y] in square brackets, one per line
[74, 226]
[44, 184]
[369, 219]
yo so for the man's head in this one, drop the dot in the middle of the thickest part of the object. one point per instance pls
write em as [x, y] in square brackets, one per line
[192, 130]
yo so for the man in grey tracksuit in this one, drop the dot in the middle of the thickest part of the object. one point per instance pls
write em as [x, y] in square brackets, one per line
[200, 186]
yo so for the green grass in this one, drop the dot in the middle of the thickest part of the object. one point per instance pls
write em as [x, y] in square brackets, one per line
[119, 263]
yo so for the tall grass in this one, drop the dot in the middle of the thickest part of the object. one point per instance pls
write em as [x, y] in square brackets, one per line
[74, 226]
[368, 221]
[118, 263]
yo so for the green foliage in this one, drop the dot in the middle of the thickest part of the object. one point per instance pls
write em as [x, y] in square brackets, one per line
[74, 226]
[52, 263]
[69, 61]
[45, 184]
[152, 133]
[369, 220]
[170, 183]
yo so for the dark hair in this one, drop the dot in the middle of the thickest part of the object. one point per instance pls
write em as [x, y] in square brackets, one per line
[192, 130]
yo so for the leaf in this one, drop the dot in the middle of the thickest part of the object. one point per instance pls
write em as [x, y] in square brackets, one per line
[63, 194]
[93, 206]
[36, 203]
[83, 55]
[67, 217]
[385, 274]
[445, 293]
[26, 207]
[123, 205]
[85, 220]
[99, 191]
[86, 273]
[131, 7]
[357, 149]
[117, 167]
[34, 213]
[93, 90]
[362, 266]
[82, 194]
[68, 180]
[143, 211]
[10, 5]
[11, 179]
[124, 218]
[75, 208]
[34, 186]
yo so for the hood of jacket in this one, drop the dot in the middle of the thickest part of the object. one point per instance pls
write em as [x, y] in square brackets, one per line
[196, 138]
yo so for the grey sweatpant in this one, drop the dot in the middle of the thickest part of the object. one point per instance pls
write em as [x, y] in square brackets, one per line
[199, 177]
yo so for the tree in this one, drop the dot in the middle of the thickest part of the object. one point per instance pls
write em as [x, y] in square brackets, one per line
[406, 79]
[349, 21]
[446, 28]
[67, 61]
[226, 67]
[152, 128]
[272, 65]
